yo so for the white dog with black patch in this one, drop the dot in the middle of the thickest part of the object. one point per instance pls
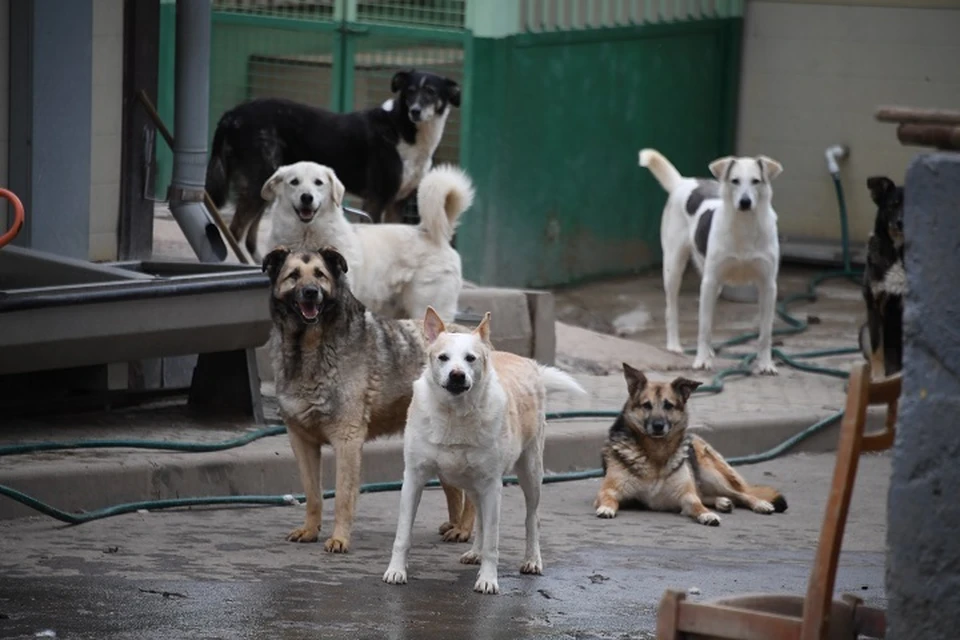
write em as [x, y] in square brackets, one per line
[729, 227]
[395, 270]
[475, 414]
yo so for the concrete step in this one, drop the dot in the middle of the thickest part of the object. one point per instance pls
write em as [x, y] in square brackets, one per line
[78, 481]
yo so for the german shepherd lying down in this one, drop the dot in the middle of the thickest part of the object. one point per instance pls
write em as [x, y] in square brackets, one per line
[650, 458]
[343, 376]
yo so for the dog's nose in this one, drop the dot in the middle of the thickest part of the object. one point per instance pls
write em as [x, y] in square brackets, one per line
[899, 225]
[415, 111]
[658, 426]
[744, 204]
[306, 198]
[310, 293]
[458, 377]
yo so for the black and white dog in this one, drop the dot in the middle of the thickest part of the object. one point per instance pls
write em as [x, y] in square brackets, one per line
[884, 281]
[379, 154]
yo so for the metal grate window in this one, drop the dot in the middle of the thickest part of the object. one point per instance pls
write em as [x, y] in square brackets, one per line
[422, 13]
[299, 9]
[572, 15]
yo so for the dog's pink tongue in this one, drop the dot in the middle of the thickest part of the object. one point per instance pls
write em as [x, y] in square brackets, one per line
[309, 311]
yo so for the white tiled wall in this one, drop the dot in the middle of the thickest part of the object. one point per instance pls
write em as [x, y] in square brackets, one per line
[813, 75]
[106, 128]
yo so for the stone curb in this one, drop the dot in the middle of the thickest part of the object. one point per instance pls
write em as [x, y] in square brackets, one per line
[267, 467]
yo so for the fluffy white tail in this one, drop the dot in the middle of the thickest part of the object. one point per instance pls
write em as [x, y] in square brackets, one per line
[661, 168]
[444, 193]
[556, 380]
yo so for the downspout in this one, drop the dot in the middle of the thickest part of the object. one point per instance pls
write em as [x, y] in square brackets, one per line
[191, 111]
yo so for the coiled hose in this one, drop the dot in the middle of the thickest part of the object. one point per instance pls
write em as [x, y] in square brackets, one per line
[741, 368]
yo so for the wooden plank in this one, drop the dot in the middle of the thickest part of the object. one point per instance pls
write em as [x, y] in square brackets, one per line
[941, 136]
[918, 116]
[717, 621]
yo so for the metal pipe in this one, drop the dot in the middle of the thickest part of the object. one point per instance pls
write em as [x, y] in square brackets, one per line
[191, 111]
[834, 154]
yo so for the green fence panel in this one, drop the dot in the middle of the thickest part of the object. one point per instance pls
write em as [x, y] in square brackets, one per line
[558, 119]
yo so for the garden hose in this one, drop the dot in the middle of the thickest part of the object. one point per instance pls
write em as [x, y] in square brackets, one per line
[741, 368]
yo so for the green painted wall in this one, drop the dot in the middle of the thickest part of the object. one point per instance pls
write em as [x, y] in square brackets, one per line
[557, 121]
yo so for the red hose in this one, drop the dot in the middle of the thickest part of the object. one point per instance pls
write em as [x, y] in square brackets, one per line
[17, 217]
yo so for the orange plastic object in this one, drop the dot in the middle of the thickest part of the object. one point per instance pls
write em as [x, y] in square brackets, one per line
[17, 217]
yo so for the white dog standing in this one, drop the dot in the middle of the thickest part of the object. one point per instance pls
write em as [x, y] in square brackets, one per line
[729, 227]
[396, 270]
[475, 414]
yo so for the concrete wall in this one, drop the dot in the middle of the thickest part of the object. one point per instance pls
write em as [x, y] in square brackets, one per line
[4, 98]
[106, 128]
[813, 74]
[923, 515]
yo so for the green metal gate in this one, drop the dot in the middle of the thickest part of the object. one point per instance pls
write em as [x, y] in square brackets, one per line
[336, 54]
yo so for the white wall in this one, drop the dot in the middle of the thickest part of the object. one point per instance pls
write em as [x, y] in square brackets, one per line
[813, 74]
[106, 128]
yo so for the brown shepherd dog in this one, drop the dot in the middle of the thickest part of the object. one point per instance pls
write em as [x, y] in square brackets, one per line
[650, 458]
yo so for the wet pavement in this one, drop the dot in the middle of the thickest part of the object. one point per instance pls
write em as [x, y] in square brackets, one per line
[228, 573]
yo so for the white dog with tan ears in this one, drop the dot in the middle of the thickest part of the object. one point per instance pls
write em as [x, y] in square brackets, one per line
[476, 413]
[396, 270]
[729, 227]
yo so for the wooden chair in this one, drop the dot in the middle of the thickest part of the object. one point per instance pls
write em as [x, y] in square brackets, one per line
[817, 616]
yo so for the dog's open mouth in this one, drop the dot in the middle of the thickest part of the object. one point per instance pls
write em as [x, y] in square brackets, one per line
[305, 213]
[456, 389]
[309, 310]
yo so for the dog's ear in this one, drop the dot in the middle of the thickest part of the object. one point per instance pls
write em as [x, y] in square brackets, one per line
[336, 187]
[269, 190]
[483, 329]
[881, 188]
[400, 80]
[335, 261]
[273, 261]
[685, 387]
[636, 381]
[432, 324]
[720, 166]
[453, 92]
[771, 168]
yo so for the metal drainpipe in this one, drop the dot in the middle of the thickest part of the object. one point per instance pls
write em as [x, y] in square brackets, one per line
[191, 110]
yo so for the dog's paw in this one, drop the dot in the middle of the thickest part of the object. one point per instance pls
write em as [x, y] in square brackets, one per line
[456, 534]
[487, 586]
[767, 369]
[470, 557]
[710, 519]
[703, 364]
[304, 534]
[532, 567]
[675, 348]
[395, 576]
[336, 545]
[724, 505]
[606, 512]
[446, 526]
[764, 507]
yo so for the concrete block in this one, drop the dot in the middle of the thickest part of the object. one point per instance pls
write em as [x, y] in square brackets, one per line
[511, 326]
[543, 320]
[923, 580]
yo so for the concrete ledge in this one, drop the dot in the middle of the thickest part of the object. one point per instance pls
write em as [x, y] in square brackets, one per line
[267, 467]
[523, 322]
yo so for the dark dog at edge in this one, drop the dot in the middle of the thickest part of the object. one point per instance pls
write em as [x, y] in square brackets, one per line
[884, 281]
